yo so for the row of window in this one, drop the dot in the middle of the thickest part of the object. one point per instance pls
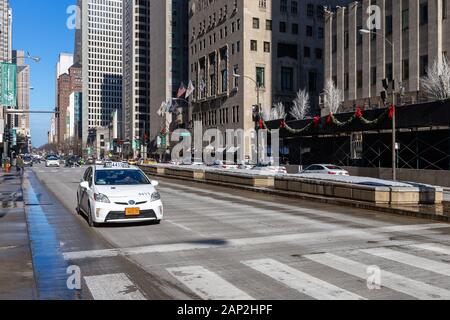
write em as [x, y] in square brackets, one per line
[218, 117]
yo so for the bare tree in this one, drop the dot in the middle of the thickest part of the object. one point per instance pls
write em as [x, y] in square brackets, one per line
[278, 112]
[301, 105]
[332, 97]
[436, 84]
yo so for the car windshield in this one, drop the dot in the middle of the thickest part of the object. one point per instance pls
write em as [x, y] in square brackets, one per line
[52, 158]
[120, 177]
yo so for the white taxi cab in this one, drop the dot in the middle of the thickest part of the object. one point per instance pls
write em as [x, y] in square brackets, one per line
[118, 193]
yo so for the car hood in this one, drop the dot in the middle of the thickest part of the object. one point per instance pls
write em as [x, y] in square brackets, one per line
[138, 192]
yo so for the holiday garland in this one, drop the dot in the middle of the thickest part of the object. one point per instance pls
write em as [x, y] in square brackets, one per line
[332, 120]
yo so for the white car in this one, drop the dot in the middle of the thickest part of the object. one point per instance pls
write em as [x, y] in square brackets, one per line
[118, 193]
[269, 169]
[52, 161]
[329, 169]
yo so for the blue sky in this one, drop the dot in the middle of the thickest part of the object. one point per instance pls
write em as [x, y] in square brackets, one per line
[40, 28]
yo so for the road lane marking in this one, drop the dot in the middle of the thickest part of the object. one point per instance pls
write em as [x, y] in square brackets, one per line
[411, 260]
[432, 247]
[207, 285]
[243, 242]
[113, 287]
[300, 281]
[389, 280]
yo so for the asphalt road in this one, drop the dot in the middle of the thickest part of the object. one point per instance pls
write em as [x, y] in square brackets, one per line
[218, 243]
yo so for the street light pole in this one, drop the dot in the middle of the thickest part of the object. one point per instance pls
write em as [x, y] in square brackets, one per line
[258, 88]
[394, 129]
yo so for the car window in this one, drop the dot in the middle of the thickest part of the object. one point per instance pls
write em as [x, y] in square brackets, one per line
[120, 177]
[86, 174]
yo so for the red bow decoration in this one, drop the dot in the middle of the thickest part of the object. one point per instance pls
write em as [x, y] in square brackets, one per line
[163, 131]
[358, 113]
[330, 118]
[316, 121]
[261, 124]
[283, 124]
[391, 111]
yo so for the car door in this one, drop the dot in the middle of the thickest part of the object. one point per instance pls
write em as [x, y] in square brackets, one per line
[84, 193]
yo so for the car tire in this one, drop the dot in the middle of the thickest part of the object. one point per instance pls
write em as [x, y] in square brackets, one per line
[91, 221]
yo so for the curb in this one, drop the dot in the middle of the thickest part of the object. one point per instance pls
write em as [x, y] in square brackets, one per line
[325, 200]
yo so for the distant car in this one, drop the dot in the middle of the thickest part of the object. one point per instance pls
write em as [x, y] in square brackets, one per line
[132, 162]
[28, 161]
[52, 161]
[118, 193]
[219, 164]
[90, 161]
[98, 162]
[329, 169]
[269, 169]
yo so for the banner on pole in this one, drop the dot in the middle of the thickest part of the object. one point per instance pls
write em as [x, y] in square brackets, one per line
[8, 80]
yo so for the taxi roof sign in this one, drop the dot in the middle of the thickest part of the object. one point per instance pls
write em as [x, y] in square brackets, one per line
[110, 165]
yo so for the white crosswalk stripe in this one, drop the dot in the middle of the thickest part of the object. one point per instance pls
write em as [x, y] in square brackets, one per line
[300, 281]
[389, 280]
[412, 260]
[432, 247]
[113, 287]
[207, 285]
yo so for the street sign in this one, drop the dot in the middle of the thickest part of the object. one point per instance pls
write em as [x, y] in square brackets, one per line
[8, 80]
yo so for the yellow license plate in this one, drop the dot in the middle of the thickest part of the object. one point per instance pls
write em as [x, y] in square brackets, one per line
[132, 211]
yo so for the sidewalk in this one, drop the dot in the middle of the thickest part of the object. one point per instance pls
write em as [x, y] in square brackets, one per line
[16, 269]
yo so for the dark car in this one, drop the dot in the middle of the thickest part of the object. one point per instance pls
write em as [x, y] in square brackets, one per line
[73, 161]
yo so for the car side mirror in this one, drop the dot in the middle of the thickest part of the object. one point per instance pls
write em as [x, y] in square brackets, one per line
[155, 183]
[85, 185]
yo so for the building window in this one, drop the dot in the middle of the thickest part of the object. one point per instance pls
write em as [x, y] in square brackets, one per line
[346, 81]
[405, 69]
[359, 79]
[294, 28]
[389, 72]
[260, 77]
[269, 25]
[262, 4]
[294, 7]
[235, 79]
[423, 65]
[424, 13]
[307, 52]
[283, 5]
[224, 80]
[253, 45]
[309, 31]
[287, 79]
[312, 82]
[389, 25]
[310, 10]
[373, 76]
[320, 32]
[319, 53]
[405, 19]
[282, 27]
[255, 23]
[266, 46]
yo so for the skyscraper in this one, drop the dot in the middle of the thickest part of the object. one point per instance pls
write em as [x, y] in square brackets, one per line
[22, 121]
[136, 71]
[5, 31]
[101, 34]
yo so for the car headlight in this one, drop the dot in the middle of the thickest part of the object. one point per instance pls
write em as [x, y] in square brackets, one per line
[156, 196]
[101, 198]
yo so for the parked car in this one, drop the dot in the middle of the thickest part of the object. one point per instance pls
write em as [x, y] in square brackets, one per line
[329, 169]
[269, 169]
[225, 165]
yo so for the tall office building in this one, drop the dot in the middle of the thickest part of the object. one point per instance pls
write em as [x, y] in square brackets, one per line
[65, 61]
[78, 45]
[22, 121]
[5, 31]
[169, 60]
[357, 63]
[136, 72]
[101, 34]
